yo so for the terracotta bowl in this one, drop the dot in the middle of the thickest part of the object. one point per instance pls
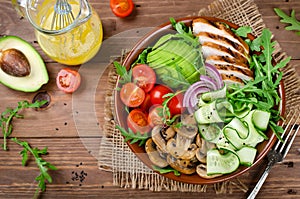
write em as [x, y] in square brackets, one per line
[121, 115]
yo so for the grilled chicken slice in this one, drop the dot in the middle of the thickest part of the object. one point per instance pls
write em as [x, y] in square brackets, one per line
[227, 69]
[224, 42]
[224, 60]
[231, 79]
[222, 26]
[203, 25]
[210, 48]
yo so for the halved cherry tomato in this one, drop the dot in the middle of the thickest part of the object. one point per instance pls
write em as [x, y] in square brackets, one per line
[145, 106]
[176, 104]
[121, 8]
[132, 95]
[157, 93]
[68, 80]
[137, 121]
[144, 76]
[155, 116]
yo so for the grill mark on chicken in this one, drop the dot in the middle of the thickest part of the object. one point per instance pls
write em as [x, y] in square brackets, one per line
[231, 79]
[238, 72]
[222, 41]
[225, 50]
[203, 25]
[227, 59]
[222, 26]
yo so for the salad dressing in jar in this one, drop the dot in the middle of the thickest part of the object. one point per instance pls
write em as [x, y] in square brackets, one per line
[73, 43]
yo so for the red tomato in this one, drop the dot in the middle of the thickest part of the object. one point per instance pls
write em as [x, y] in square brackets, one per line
[155, 116]
[176, 104]
[157, 93]
[121, 8]
[137, 121]
[132, 95]
[144, 76]
[68, 80]
[145, 106]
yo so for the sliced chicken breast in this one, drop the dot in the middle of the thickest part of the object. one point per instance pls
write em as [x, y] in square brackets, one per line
[222, 26]
[222, 41]
[231, 79]
[232, 70]
[203, 25]
[224, 60]
[209, 49]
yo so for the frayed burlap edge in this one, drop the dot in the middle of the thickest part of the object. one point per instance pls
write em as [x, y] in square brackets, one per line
[128, 170]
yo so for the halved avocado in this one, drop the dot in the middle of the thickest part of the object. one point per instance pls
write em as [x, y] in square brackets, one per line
[38, 73]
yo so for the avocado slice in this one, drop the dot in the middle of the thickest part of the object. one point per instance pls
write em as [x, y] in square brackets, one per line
[38, 73]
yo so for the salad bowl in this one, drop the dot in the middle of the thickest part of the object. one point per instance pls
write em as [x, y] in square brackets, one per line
[121, 114]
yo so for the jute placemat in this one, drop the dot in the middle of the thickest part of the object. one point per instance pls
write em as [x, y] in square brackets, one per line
[128, 170]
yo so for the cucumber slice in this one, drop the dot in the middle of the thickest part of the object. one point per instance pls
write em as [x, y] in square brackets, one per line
[213, 95]
[239, 127]
[209, 131]
[238, 141]
[222, 142]
[261, 119]
[246, 155]
[221, 163]
[208, 114]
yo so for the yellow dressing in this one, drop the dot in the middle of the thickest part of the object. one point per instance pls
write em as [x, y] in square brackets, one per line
[77, 45]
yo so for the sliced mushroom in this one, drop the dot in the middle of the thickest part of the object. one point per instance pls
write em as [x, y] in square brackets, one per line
[154, 155]
[168, 133]
[179, 151]
[186, 132]
[204, 146]
[202, 172]
[158, 139]
[183, 166]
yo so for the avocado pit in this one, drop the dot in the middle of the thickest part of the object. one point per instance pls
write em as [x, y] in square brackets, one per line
[14, 62]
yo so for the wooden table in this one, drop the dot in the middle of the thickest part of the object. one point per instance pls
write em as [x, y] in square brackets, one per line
[56, 128]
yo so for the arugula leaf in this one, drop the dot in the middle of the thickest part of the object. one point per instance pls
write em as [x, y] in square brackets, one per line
[165, 170]
[181, 28]
[122, 71]
[268, 49]
[142, 58]
[134, 137]
[255, 44]
[41, 163]
[242, 31]
[294, 23]
[8, 115]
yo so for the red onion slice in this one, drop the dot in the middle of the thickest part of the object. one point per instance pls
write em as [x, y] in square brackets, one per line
[214, 74]
[191, 96]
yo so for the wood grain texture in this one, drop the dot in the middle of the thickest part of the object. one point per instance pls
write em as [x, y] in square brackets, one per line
[74, 153]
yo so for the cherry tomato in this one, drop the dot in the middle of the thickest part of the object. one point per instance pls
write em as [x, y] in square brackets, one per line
[132, 95]
[137, 121]
[121, 8]
[157, 93]
[155, 116]
[176, 104]
[68, 80]
[144, 76]
[145, 106]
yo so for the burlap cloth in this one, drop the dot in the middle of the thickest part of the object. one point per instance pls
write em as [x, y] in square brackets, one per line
[128, 170]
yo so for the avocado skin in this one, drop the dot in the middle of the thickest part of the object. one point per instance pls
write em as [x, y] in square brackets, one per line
[38, 75]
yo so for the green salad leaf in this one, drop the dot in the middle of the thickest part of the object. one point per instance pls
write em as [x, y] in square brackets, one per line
[267, 78]
[8, 115]
[43, 165]
[292, 20]
[165, 170]
[133, 137]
